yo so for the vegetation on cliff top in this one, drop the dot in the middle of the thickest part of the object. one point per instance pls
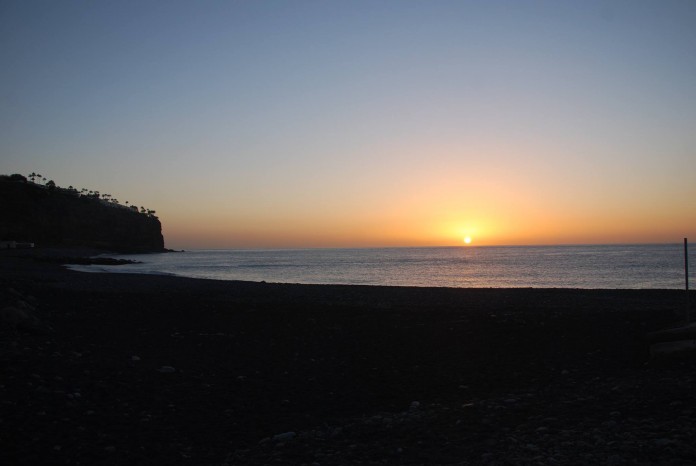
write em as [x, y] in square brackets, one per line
[39, 180]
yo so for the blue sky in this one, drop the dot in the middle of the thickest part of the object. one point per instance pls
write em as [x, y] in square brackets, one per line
[362, 123]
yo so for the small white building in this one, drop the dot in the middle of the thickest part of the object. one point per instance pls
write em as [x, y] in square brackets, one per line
[8, 244]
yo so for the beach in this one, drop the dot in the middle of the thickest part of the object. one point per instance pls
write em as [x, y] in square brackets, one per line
[145, 369]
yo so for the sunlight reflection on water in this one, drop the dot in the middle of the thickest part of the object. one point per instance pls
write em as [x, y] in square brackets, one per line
[625, 266]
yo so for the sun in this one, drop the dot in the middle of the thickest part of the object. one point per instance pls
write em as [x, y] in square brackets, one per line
[467, 239]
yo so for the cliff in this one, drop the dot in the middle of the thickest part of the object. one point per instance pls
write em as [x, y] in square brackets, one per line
[54, 217]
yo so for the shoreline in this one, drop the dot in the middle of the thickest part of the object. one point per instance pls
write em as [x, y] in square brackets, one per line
[321, 271]
[122, 368]
[90, 265]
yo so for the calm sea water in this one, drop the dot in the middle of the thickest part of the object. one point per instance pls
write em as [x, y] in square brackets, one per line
[629, 266]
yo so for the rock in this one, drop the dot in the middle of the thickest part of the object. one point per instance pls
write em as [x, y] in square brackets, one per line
[284, 437]
[135, 358]
[661, 442]
[21, 319]
[166, 370]
[414, 405]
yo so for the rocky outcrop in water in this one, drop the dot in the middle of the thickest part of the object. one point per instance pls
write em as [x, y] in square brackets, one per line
[54, 217]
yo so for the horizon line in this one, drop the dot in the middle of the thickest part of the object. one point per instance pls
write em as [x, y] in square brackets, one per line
[462, 246]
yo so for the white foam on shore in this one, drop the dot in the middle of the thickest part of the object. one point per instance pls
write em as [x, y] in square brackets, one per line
[113, 269]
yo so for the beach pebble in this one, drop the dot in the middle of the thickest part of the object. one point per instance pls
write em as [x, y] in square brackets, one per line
[661, 442]
[284, 437]
[166, 369]
[135, 358]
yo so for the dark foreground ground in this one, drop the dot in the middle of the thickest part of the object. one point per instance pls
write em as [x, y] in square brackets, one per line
[125, 369]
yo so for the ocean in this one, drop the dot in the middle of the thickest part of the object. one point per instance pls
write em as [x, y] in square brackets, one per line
[657, 266]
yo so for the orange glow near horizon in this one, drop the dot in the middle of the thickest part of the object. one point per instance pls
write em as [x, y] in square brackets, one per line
[414, 203]
[432, 213]
[396, 231]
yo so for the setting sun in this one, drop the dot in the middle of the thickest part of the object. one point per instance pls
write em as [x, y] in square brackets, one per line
[467, 239]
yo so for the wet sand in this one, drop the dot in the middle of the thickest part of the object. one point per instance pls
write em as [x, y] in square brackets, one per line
[135, 369]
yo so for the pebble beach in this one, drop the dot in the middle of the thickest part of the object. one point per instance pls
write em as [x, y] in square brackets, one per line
[140, 369]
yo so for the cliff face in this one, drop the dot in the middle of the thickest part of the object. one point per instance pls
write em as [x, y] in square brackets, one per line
[59, 218]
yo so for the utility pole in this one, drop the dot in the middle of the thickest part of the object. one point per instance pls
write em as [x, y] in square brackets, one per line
[686, 280]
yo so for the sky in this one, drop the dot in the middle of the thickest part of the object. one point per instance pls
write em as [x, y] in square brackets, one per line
[286, 124]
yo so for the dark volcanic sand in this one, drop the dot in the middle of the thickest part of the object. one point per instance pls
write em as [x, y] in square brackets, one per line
[161, 370]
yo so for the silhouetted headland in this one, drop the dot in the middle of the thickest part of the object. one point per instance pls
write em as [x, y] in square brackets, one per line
[48, 216]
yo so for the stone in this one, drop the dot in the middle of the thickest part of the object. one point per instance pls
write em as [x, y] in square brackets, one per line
[284, 437]
[661, 442]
